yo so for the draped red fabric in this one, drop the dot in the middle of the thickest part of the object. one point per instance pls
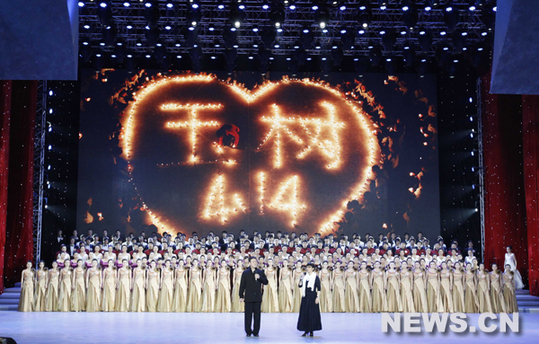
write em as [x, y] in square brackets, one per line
[505, 202]
[5, 115]
[18, 230]
[530, 132]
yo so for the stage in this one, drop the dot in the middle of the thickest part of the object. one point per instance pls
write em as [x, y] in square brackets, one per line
[131, 328]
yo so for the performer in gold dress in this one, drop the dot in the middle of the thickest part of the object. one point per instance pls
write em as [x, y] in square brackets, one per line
[378, 282]
[223, 304]
[237, 306]
[483, 286]
[365, 299]
[471, 303]
[339, 300]
[166, 289]
[109, 283]
[138, 290]
[64, 293]
[41, 288]
[298, 272]
[434, 301]
[458, 288]
[286, 297]
[51, 297]
[509, 295]
[78, 296]
[394, 300]
[351, 295]
[270, 297]
[123, 289]
[446, 288]
[179, 301]
[496, 293]
[326, 296]
[194, 298]
[26, 300]
[406, 283]
[152, 287]
[419, 289]
[209, 288]
[93, 294]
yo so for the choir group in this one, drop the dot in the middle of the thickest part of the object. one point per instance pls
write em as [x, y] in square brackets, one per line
[176, 274]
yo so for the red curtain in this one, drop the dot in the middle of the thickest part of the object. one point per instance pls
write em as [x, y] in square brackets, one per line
[5, 116]
[530, 125]
[505, 201]
[19, 100]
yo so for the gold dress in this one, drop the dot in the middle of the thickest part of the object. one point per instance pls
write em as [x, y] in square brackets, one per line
[237, 306]
[445, 291]
[496, 293]
[420, 293]
[394, 300]
[194, 298]
[339, 300]
[471, 303]
[138, 294]
[152, 293]
[109, 290]
[208, 292]
[179, 300]
[509, 295]
[459, 305]
[482, 293]
[78, 296]
[326, 298]
[123, 293]
[64, 293]
[164, 303]
[51, 298]
[270, 297]
[223, 304]
[41, 290]
[351, 295]
[365, 298]
[26, 300]
[434, 301]
[93, 299]
[379, 302]
[406, 291]
[297, 291]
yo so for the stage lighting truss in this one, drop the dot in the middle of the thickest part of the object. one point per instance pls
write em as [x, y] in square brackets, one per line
[173, 25]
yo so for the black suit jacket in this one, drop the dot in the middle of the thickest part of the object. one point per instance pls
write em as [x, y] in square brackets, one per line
[251, 289]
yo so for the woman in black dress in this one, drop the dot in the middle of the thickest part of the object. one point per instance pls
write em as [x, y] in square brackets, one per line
[309, 312]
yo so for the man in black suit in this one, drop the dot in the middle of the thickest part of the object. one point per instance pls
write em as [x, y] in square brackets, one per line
[251, 292]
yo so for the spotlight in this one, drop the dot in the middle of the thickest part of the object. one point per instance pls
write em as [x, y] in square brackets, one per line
[127, 4]
[103, 4]
[81, 4]
[306, 30]
[314, 8]
[428, 8]
[449, 9]
[237, 24]
[51, 93]
[292, 7]
[148, 4]
[322, 25]
[265, 7]
[472, 8]
[221, 6]
[170, 5]
[50, 147]
[405, 8]
[342, 8]
[255, 28]
[87, 27]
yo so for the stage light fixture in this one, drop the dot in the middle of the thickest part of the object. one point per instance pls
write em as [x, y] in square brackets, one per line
[170, 5]
[86, 26]
[81, 4]
[449, 9]
[472, 8]
[148, 4]
[255, 28]
[314, 7]
[265, 6]
[127, 4]
[428, 8]
[292, 7]
[168, 27]
[50, 146]
[342, 8]
[129, 26]
[103, 4]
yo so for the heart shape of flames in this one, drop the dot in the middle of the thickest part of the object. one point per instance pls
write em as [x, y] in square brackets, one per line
[304, 151]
